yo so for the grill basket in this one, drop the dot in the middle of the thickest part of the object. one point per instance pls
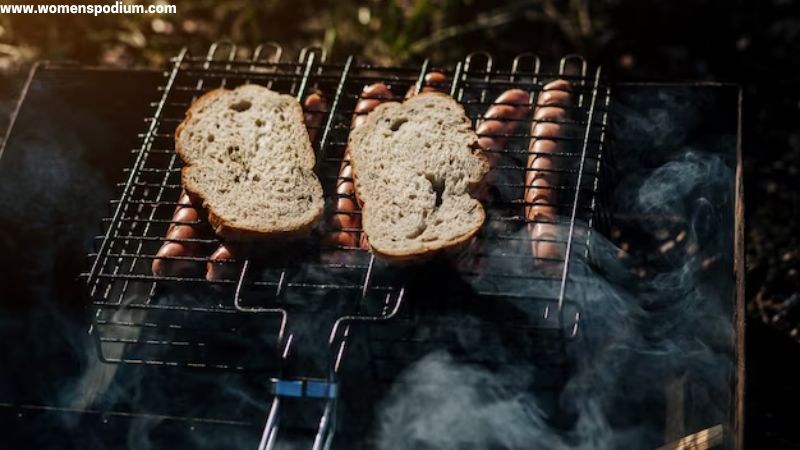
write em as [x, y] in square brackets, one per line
[300, 319]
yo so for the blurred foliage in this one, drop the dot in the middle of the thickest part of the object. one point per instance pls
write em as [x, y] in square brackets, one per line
[380, 31]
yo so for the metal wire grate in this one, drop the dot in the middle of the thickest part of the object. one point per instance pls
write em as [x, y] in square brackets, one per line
[253, 317]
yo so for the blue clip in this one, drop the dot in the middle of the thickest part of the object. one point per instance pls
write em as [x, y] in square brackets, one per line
[320, 389]
[284, 388]
[305, 388]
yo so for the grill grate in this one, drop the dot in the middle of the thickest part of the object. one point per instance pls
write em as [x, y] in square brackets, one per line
[252, 318]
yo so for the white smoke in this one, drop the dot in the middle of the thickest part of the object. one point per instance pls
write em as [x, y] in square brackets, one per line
[636, 335]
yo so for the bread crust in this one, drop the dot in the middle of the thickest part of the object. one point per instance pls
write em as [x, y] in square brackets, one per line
[223, 228]
[405, 257]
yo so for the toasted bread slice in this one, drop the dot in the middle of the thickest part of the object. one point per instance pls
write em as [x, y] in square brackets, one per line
[250, 161]
[415, 165]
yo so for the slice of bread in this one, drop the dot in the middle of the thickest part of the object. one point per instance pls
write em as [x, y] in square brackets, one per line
[415, 164]
[250, 161]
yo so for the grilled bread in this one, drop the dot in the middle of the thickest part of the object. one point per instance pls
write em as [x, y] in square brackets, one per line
[415, 164]
[249, 160]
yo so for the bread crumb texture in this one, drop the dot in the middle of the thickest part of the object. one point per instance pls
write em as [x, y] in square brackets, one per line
[249, 158]
[415, 165]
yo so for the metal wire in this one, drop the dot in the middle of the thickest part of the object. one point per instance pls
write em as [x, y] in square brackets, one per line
[576, 198]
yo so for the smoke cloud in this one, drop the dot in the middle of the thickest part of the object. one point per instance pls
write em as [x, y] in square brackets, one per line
[639, 333]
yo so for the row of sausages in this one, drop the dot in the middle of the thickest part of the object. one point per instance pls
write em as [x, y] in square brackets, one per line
[180, 251]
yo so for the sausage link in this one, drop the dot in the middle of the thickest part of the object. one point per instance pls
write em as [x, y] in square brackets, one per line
[218, 266]
[541, 210]
[499, 121]
[314, 109]
[182, 228]
[502, 118]
[434, 82]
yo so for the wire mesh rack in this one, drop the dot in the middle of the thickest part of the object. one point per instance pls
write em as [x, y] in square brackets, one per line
[292, 315]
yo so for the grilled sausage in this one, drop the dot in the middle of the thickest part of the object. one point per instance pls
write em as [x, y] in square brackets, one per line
[184, 226]
[501, 119]
[541, 210]
[219, 264]
[434, 82]
[314, 108]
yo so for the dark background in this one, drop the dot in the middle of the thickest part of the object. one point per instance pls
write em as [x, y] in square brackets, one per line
[753, 43]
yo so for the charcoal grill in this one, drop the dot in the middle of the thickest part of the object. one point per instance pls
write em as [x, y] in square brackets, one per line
[299, 348]
[257, 318]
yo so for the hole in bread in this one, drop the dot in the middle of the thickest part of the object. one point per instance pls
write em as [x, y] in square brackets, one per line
[259, 123]
[256, 178]
[397, 123]
[241, 105]
[438, 188]
[210, 138]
